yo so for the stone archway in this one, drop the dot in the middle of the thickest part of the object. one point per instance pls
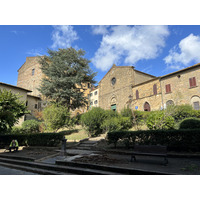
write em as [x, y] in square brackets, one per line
[147, 106]
[195, 101]
[113, 103]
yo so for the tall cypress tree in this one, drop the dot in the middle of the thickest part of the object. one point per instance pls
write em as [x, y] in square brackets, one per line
[66, 70]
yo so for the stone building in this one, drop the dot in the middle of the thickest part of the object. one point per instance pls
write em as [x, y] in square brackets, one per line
[115, 88]
[30, 76]
[147, 96]
[182, 87]
[24, 97]
[177, 88]
[94, 97]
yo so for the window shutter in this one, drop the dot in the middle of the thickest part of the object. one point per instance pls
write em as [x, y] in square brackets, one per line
[190, 80]
[194, 81]
[155, 89]
[137, 94]
[168, 88]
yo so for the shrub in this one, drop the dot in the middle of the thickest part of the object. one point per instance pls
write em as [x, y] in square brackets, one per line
[17, 130]
[180, 112]
[93, 119]
[140, 117]
[55, 117]
[110, 114]
[112, 124]
[30, 126]
[190, 123]
[127, 112]
[158, 120]
[37, 139]
[176, 140]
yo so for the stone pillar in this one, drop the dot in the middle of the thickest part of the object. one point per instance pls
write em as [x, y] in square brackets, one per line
[63, 147]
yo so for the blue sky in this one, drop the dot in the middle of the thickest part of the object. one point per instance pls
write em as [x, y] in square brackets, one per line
[157, 50]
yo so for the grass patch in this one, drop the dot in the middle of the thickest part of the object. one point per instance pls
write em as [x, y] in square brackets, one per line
[77, 136]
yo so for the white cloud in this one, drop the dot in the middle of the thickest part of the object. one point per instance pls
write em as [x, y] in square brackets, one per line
[36, 52]
[63, 36]
[186, 52]
[100, 29]
[129, 44]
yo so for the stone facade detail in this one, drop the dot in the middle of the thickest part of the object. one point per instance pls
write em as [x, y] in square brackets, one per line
[174, 88]
[146, 94]
[30, 75]
[181, 92]
[30, 101]
[115, 94]
[94, 97]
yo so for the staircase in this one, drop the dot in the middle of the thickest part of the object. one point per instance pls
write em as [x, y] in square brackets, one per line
[86, 144]
[49, 169]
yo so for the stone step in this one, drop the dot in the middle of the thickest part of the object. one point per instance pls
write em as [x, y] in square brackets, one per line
[33, 169]
[119, 170]
[89, 142]
[83, 148]
[9, 155]
[86, 145]
[55, 168]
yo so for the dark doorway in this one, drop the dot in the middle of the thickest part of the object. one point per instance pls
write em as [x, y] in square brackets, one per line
[147, 107]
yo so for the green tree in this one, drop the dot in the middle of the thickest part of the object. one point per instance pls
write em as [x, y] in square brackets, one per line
[66, 70]
[55, 117]
[11, 109]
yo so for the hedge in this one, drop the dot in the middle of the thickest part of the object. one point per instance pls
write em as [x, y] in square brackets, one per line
[178, 140]
[35, 139]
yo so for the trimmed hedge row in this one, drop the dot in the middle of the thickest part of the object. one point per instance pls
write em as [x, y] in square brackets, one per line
[178, 140]
[36, 139]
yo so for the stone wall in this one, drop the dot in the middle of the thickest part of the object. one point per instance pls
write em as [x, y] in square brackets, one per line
[146, 94]
[119, 93]
[181, 93]
[27, 79]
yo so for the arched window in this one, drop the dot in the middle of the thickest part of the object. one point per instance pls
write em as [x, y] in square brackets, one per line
[169, 103]
[155, 89]
[195, 101]
[137, 94]
[147, 106]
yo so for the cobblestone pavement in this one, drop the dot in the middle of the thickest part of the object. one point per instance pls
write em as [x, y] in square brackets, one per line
[10, 171]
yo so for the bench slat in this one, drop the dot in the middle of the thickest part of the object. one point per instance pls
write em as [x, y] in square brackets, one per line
[150, 150]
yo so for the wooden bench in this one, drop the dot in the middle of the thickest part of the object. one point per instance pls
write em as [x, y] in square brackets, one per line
[150, 150]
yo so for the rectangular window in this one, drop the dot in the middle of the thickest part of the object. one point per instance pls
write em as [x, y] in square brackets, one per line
[95, 93]
[35, 106]
[196, 105]
[192, 82]
[91, 94]
[95, 102]
[33, 72]
[155, 89]
[168, 88]
[137, 94]
[91, 103]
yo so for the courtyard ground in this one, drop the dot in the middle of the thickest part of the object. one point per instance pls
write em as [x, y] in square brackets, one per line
[179, 163]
